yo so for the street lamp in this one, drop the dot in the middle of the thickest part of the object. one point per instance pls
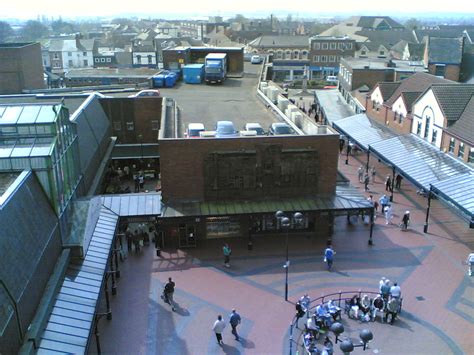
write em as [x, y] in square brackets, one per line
[346, 345]
[285, 224]
[140, 139]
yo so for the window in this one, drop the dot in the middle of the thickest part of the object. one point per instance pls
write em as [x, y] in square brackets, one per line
[434, 133]
[130, 126]
[97, 60]
[56, 65]
[373, 104]
[56, 56]
[324, 58]
[316, 58]
[150, 59]
[400, 118]
[427, 127]
[102, 60]
[69, 54]
[470, 158]
[155, 125]
[382, 53]
[333, 45]
[139, 59]
[296, 54]
[461, 150]
[332, 58]
[418, 129]
[86, 63]
[348, 45]
[325, 46]
[340, 46]
[316, 45]
[288, 54]
[304, 54]
[395, 116]
[439, 70]
[70, 63]
[117, 125]
[108, 60]
[452, 144]
[84, 54]
[363, 53]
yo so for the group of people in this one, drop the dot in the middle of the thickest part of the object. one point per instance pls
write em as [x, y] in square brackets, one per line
[387, 210]
[219, 326]
[366, 175]
[139, 235]
[387, 303]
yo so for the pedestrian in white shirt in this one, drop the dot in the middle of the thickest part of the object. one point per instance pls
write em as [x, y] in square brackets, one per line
[218, 328]
[395, 291]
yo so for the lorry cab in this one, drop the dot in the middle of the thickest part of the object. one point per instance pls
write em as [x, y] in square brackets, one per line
[215, 68]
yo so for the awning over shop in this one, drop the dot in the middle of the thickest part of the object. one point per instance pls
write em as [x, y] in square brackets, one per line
[333, 105]
[346, 198]
[417, 160]
[458, 191]
[141, 204]
[362, 131]
[135, 151]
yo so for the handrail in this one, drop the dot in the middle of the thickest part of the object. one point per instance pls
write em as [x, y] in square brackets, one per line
[324, 298]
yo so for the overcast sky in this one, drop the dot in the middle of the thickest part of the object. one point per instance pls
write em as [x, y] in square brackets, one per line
[186, 8]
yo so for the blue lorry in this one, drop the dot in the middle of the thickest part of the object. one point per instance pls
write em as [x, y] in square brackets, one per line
[215, 68]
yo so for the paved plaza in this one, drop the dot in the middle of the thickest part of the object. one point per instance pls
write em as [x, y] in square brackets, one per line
[438, 303]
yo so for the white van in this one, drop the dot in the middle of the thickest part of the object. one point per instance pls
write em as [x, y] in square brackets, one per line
[331, 79]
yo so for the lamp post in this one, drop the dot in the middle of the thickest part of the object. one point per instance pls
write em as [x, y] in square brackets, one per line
[140, 139]
[285, 224]
[15, 309]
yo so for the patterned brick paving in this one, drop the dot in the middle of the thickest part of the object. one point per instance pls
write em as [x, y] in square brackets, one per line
[427, 265]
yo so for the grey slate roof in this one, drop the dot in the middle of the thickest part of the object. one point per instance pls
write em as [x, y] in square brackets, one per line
[386, 38]
[453, 98]
[417, 82]
[464, 126]
[371, 22]
[409, 98]
[444, 31]
[70, 45]
[445, 50]
[387, 89]
[280, 41]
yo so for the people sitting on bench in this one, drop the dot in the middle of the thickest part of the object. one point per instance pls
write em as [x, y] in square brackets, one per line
[364, 308]
[334, 310]
[353, 311]
[378, 305]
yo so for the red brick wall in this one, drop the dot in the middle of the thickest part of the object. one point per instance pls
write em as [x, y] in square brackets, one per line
[452, 72]
[445, 146]
[182, 161]
[385, 116]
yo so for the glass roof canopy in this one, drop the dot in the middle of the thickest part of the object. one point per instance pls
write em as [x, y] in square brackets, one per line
[27, 147]
[28, 114]
[362, 130]
[417, 160]
[458, 190]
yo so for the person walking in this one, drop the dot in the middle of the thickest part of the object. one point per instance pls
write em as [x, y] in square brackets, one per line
[405, 220]
[398, 181]
[388, 183]
[366, 182]
[329, 256]
[218, 328]
[383, 202]
[141, 181]
[137, 184]
[360, 173]
[388, 214]
[168, 293]
[227, 252]
[234, 322]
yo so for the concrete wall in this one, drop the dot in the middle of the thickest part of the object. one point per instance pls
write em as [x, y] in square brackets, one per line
[183, 163]
[21, 67]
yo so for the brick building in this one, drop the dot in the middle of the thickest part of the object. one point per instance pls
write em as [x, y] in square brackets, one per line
[443, 57]
[21, 67]
[390, 103]
[326, 52]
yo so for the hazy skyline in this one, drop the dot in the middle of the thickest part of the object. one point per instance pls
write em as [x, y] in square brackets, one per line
[88, 8]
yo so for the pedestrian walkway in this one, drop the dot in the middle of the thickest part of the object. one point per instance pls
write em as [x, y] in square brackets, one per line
[438, 309]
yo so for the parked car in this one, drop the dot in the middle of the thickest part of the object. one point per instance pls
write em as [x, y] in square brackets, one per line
[207, 134]
[226, 129]
[255, 127]
[194, 130]
[147, 93]
[248, 133]
[280, 128]
[256, 59]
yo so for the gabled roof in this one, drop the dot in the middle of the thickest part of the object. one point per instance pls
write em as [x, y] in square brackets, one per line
[444, 31]
[373, 22]
[445, 50]
[280, 41]
[409, 98]
[464, 126]
[387, 89]
[387, 38]
[453, 98]
[417, 82]
[71, 45]
[416, 51]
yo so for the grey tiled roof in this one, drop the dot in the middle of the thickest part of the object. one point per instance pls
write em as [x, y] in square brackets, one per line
[373, 21]
[387, 38]
[387, 89]
[453, 98]
[409, 98]
[417, 82]
[280, 41]
[464, 126]
[445, 50]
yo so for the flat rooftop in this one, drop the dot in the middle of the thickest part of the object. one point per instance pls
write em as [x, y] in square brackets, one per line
[382, 63]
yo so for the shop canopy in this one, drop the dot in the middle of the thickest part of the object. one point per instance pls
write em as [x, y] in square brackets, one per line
[417, 160]
[458, 191]
[362, 131]
[345, 199]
